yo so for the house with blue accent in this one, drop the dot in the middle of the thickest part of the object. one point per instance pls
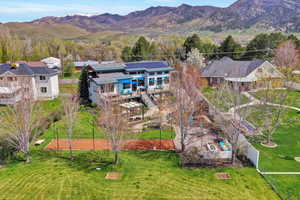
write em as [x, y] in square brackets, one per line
[128, 79]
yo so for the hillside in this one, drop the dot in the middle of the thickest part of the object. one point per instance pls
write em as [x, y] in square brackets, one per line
[242, 14]
[256, 15]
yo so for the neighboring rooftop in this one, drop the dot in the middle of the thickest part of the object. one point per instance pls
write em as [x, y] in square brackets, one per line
[25, 70]
[226, 67]
[32, 63]
[85, 63]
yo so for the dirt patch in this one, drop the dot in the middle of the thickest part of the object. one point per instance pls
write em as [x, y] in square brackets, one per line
[102, 144]
[2, 166]
[222, 176]
[113, 176]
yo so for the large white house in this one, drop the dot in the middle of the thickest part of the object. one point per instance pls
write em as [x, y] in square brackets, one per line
[42, 81]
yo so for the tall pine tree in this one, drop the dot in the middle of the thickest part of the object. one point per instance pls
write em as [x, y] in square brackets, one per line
[230, 48]
[84, 86]
[141, 50]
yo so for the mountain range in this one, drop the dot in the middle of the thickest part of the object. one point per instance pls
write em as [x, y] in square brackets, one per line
[275, 15]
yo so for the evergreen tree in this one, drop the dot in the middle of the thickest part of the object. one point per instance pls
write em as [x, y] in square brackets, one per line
[192, 42]
[141, 50]
[127, 54]
[230, 48]
[262, 45]
[84, 86]
[295, 39]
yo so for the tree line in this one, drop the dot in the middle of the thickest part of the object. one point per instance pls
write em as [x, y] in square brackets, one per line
[261, 46]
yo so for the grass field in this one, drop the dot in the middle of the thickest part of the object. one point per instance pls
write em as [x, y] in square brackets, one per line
[293, 97]
[281, 159]
[146, 175]
[84, 128]
[68, 88]
[211, 95]
[75, 75]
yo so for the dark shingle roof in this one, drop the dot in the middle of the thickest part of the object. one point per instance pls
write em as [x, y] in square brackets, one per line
[226, 67]
[25, 70]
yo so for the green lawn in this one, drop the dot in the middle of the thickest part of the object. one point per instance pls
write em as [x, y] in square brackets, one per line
[213, 97]
[281, 159]
[84, 128]
[68, 88]
[147, 175]
[75, 75]
[293, 97]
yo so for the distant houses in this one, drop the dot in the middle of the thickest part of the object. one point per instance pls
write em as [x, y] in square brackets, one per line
[79, 65]
[246, 74]
[113, 78]
[42, 81]
[52, 63]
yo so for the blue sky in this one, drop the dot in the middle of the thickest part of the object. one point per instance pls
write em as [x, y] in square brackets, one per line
[27, 10]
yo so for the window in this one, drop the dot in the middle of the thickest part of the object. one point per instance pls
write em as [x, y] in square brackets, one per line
[126, 86]
[151, 81]
[43, 89]
[132, 73]
[11, 78]
[151, 73]
[260, 70]
[141, 82]
[167, 72]
[159, 81]
[159, 73]
[42, 78]
[166, 80]
[107, 88]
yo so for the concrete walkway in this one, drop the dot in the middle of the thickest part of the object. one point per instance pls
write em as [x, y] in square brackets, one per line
[255, 101]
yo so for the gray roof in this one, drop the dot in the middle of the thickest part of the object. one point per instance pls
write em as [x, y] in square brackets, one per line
[85, 63]
[226, 67]
[25, 70]
[110, 78]
[108, 66]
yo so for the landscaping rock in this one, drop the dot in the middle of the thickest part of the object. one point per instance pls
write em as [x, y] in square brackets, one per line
[297, 159]
[273, 145]
[113, 176]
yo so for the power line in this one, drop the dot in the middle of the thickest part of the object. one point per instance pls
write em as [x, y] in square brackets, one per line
[213, 53]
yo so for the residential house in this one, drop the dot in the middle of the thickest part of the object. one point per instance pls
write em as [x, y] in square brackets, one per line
[113, 78]
[52, 63]
[41, 81]
[79, 65]
[32, 63]
[245, 74]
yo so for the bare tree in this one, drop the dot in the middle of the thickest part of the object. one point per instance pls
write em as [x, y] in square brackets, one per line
[287, 60]
[287, 57]
[71, 107]
[112, 121]
[184, 87]
[230, 96]
[18, 121]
